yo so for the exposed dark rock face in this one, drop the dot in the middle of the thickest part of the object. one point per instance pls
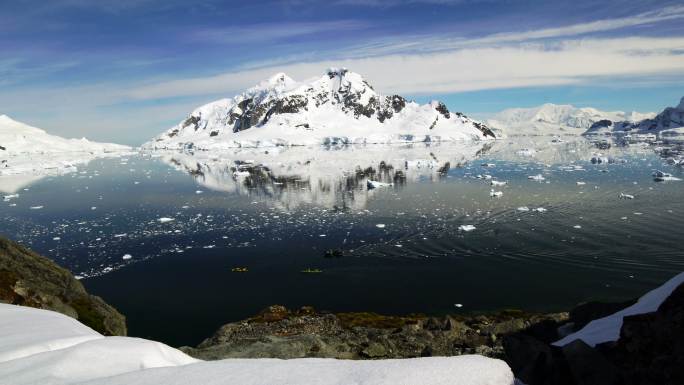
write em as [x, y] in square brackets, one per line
[192, 121]
[442, 109]
[586, 312]
[3, 148]
[280, 333]
[650, 349]
[29, 279]
[486, 131]
[601, 124]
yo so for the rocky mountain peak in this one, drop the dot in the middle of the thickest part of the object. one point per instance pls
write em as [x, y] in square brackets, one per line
[340, 101]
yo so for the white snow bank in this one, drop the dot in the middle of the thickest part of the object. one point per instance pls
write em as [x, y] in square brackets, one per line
[93, 360]
[608, 328]
[47, 348]
[461, 370]
[25, 331]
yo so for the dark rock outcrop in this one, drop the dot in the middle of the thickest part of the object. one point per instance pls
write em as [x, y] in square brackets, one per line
[650, 349]
[29, 279]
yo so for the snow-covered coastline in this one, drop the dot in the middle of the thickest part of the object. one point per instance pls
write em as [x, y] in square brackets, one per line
[554, 119]
[27, 150]
[669, 123]
[340, 107]
[44, 347]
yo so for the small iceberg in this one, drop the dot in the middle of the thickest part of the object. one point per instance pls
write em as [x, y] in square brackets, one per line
[372, 184]
[625, 196]
[165, 220]
[466, 228]
[495, 194]
[538, 177]
[660, 176]
[498, 183]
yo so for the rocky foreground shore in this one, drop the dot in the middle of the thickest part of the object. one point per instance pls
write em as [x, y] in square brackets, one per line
[278, 332]
[650, 349]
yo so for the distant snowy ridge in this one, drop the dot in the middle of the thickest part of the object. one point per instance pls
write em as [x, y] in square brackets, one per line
[553, 119]
[44, 347]
[30, 150]
[20, 138]
[670, 122]
[340, 107]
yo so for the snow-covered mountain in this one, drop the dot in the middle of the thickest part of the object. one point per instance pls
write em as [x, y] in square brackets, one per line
[553, 119]
[338, 108]
[30, 150]
[670, 122]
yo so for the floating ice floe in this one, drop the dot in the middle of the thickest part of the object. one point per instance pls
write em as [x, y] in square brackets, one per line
[371, 184]
[538, 177]
[36, 207]
[380, 225]
[626, 196]
[165, 220]
[488, 165]
[540, 210]
[580, 183]
[660, 176]
[526, 152]
[466, 228]
[523, 208]
[485, 177]
[576, 227]
[7, 198]
[126, 257]
[495, 194]
[498, 183]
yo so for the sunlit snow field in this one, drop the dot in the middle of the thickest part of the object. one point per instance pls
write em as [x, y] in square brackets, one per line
[158, 235]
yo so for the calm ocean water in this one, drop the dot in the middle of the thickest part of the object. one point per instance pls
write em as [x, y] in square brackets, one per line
[158, 236]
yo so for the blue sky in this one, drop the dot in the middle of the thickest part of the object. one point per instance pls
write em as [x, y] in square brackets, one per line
[125, 70]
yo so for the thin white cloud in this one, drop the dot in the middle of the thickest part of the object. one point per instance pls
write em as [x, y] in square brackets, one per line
[272, 31]
[571, 61]
[432, 43]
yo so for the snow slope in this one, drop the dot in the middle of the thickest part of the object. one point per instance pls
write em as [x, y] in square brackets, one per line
[30, 150]
[608, 328]
[340, 107]
[47, 348]
[553, 119]
[670, 122]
